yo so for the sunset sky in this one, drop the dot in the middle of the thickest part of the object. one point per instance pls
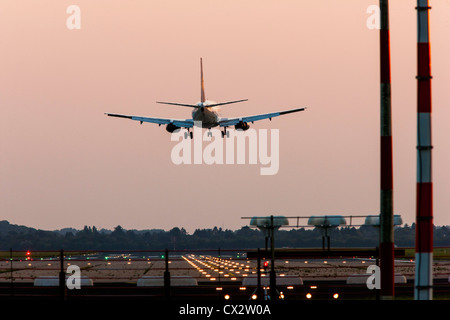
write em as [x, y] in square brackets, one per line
[64, 163]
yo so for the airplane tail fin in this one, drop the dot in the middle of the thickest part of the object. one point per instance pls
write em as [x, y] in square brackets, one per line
[202, 97]
[202, 83]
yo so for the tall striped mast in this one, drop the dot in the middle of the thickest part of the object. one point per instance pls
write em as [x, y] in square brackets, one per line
[424, 192]
[386, 175]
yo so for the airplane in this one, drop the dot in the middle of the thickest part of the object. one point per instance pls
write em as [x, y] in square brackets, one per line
[206, 112]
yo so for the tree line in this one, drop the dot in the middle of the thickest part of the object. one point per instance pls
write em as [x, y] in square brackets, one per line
[90, 238]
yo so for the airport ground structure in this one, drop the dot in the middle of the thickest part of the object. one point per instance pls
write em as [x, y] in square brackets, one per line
[210, 275]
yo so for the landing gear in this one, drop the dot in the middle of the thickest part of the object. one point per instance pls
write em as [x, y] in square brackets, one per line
[225, 132]
[188, 133]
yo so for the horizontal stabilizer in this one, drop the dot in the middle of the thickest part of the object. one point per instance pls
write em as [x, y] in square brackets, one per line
[197, 106]
[179, 104]
[223, 103]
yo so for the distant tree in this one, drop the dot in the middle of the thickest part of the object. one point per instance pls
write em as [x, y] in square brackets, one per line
[118, 230]
[23, 238]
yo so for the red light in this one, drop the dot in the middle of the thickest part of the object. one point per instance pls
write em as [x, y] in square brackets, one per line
[266, 264]
[28, 253]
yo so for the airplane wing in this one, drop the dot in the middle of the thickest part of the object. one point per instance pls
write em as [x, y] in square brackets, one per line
[225, 122]
[188, 123]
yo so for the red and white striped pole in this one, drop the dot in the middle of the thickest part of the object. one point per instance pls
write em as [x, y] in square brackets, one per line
[386, 171]
[424, 197]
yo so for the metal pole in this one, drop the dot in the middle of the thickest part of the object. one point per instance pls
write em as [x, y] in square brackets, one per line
[62, 277]
[167, 276]
[424, 192]
[323, 242]
[273, 288]
[220, 266]
[11, 268]
[386, 172]
[258, 266]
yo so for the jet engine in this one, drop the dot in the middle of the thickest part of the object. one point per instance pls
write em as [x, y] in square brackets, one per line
[171, 127]
[242, 125]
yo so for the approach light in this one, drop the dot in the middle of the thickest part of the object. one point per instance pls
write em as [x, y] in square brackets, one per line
[308, 295]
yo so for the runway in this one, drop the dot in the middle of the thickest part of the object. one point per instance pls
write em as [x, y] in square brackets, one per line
[203, 276]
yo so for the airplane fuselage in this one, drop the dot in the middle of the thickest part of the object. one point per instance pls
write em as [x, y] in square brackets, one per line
[209, 116]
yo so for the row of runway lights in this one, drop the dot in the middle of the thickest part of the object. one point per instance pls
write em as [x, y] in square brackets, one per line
[216, 264]
[221, 266]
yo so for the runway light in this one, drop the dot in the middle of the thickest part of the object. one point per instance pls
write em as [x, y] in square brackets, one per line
[227, 297]
[336, 295]
[308, 295]
[254, 297]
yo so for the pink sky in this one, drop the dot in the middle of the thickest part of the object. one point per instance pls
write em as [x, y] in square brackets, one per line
[63, 163]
